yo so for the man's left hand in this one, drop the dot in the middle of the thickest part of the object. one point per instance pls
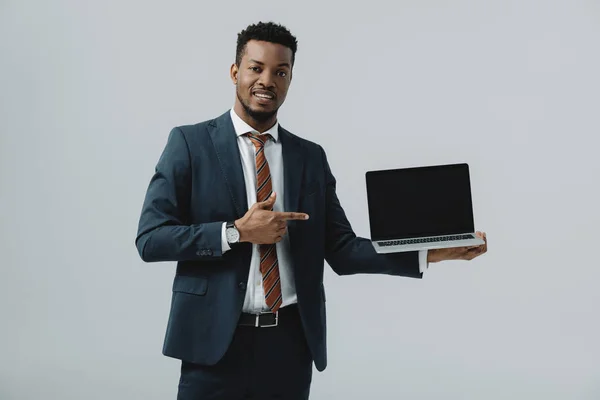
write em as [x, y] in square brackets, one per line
[458, 253]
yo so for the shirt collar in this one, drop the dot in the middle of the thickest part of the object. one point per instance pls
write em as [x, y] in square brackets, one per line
[241, 127]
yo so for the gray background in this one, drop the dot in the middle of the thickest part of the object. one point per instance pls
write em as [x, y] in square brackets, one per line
[90, 91]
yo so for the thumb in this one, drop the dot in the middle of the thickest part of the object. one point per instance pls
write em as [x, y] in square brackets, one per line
[268, 203]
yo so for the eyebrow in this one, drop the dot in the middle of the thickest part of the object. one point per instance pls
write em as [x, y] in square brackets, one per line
[262, 63]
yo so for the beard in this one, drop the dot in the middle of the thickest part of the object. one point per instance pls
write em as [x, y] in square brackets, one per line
[258, 116]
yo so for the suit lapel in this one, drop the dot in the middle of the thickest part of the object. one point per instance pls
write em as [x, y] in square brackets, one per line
[293, 168]
[224, 140]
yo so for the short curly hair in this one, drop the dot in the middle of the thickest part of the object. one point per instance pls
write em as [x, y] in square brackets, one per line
[267, 32]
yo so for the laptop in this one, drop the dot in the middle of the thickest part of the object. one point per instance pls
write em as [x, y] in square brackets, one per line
[420, 208]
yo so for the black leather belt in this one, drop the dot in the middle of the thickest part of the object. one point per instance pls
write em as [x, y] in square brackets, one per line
[266, 319]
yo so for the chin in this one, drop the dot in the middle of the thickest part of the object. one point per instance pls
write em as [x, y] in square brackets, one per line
[261, 113]
[257, 107]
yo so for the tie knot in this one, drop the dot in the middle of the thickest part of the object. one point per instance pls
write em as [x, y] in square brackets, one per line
[257, 139]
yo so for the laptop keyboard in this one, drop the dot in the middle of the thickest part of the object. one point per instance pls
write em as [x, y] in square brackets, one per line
[425, 240]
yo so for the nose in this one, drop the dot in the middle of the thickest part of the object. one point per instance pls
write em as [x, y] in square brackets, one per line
[266, 79]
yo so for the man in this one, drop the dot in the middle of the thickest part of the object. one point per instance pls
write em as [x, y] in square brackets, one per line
[249, 212]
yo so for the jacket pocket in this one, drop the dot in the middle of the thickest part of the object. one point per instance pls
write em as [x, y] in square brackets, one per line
[190, 284]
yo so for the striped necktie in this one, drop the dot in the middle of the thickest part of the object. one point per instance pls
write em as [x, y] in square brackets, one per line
[269, 266]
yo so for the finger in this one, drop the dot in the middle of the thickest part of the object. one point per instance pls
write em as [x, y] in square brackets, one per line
[268, 203]
[471, 251]
[480, 235]
[471, 254]
[292, 216]
[476, 252]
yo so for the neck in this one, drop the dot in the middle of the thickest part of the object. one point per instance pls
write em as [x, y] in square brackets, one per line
[260, 126]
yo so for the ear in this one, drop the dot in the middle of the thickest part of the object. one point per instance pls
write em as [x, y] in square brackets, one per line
[233, 72]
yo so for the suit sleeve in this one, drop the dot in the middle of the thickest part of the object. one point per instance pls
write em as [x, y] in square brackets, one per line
[348, 254]
[164, 232]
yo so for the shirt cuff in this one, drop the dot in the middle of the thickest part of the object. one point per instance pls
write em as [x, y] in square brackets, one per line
[423, 264]
[224, 245]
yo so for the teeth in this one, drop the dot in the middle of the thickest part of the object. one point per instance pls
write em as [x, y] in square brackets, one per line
[263, 96]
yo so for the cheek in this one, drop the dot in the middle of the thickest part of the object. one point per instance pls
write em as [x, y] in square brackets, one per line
[243, 89]
[283, 93]
[243, 82]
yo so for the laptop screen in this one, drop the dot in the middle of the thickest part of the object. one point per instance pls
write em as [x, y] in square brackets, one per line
[422, 201]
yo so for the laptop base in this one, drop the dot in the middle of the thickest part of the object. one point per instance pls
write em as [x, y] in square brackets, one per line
[403, 245]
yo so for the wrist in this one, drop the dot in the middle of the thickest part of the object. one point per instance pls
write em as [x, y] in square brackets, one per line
[239, 226]
[232, 234]
[431, 256]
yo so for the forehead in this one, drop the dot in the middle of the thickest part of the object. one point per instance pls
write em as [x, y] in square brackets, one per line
[267, 52]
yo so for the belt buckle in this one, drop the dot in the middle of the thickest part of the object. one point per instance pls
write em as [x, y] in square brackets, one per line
[258, 325]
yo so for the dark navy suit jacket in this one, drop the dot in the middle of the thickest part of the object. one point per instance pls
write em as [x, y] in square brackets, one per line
[197, 185]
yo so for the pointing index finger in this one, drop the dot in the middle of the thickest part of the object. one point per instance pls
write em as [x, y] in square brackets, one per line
[292, 215]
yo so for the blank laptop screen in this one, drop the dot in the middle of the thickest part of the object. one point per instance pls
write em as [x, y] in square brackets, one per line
[416, 202]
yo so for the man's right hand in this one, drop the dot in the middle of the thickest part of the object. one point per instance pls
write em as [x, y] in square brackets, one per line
[260, 225]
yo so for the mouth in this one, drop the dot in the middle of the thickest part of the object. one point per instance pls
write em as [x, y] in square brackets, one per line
[263, 96]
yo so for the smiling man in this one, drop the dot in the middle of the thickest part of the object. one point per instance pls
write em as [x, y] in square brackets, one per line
[256, 100]
[250, 214]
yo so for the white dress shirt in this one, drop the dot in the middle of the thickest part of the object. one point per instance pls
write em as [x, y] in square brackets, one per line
[255, 296]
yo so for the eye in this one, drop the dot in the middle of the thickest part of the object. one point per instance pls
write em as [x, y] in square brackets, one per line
[282, 74]
[255, 69]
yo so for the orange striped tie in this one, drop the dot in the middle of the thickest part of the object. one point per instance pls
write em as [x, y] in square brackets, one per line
[269, 266]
